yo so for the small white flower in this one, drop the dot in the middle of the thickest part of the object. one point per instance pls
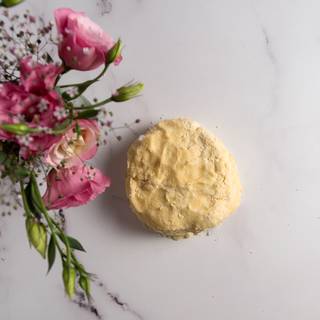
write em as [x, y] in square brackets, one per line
[19, 118]
[60, 113]
[43, 105]
[25, 140]
[86, 50]
[18, 52]
[45, 129]
[72, 92]
[101, 116]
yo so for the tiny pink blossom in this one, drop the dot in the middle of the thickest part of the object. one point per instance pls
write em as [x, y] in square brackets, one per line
[75, 186]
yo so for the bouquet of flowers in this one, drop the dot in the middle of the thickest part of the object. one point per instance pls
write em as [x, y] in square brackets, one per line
[48, 131]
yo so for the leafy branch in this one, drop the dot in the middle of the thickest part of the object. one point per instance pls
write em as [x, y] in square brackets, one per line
[124, 93]
[40, 226]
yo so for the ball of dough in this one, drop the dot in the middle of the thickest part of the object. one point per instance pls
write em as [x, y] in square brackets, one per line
[181, 179]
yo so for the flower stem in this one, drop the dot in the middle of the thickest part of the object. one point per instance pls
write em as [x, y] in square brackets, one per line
[52, 225]
[24, 200]
[93, 80]
[99, 104]
[74, 258]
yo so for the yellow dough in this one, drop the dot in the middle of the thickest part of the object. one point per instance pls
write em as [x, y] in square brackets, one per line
[181, 179]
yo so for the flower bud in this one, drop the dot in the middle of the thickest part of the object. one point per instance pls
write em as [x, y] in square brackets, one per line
[127, 92]
[84, 284]
[37, 235]
[10, 3]
[114, 54]
[18, 128]
[69, 278]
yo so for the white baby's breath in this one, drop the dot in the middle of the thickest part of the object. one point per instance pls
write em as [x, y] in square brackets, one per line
[60, 113]
[25, 140]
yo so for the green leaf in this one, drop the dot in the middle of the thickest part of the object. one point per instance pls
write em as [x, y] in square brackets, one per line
[3, 157]
[21, 172]
[51, 253]
[36, 196]
[30, 202]
[25, 201]
[28, 227]
[114, 53]
[75, 244]
[87, 114]
[10, 3]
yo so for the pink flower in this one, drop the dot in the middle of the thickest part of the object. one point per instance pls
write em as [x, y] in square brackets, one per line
[73, 147]
[72, 187]
[32, 102]
[11, 99]
[83, 44]
[38, 78]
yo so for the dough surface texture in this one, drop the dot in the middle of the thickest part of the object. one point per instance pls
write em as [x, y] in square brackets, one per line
[181, 179]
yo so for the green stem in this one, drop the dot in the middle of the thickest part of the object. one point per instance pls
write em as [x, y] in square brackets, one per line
[99, 104]
[93, 80]
[48, 219]
[78, 264]
[74, 258]
[24, 199]
[52, 225]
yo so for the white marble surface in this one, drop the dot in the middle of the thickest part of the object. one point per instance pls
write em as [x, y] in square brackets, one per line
[248, 70]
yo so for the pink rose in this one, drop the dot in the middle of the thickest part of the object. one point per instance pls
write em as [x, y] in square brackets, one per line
[83, 44]
[38, 78]
[72, 187]
[73, 148]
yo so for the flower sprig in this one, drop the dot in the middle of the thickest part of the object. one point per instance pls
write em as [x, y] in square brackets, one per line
[40, 226]
[53, 128]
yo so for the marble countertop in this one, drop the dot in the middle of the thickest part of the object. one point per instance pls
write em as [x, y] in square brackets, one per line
[250, 72]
